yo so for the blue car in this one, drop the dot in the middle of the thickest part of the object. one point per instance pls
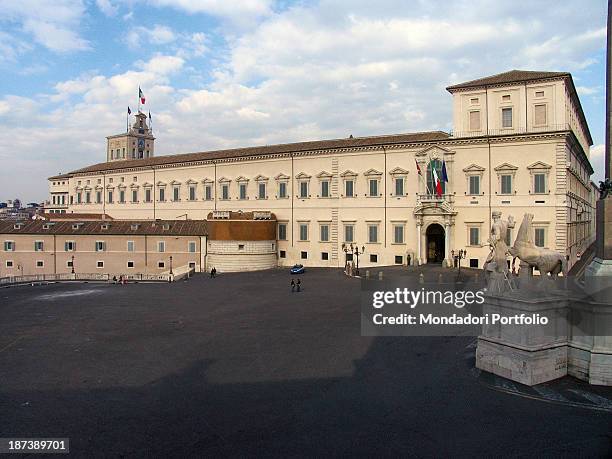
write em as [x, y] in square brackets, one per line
[298, 269]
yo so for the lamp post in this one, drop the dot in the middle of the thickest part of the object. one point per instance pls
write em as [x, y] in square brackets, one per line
[72, 264]
[461, 254]
[354, 250]
[171, 265]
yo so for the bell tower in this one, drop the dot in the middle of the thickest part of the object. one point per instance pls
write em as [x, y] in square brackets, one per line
[136, 143]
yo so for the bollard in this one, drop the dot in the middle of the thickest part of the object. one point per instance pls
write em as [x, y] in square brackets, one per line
[380, 275]
[367, 273]
[439, 278]
[421, 279]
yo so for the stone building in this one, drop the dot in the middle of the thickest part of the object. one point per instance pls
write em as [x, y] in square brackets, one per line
[520, 144]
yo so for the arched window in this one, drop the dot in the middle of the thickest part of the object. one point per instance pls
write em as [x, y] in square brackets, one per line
[431, 185]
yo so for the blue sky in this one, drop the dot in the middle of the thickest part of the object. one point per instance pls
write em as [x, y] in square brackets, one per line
[221, 74]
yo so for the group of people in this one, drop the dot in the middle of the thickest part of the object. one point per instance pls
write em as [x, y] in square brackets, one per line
[122, 280]
[213, 272]
[296, 286]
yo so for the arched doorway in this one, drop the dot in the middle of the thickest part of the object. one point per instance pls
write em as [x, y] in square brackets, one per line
[435, 243]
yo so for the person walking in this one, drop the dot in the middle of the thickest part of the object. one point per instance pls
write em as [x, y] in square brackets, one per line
[292, 286]
[299, 285]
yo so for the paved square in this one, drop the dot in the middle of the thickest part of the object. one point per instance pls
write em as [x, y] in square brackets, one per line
[240, 366]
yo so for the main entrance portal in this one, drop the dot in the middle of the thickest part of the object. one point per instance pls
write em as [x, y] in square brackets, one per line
[435, 243]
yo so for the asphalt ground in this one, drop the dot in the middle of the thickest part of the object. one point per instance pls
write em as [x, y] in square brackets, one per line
[240, 366]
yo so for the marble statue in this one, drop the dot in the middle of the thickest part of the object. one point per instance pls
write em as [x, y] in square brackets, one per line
[495, 266]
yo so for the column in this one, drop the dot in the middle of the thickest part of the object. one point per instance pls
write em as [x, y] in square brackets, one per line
[447, 257]
[418, 234]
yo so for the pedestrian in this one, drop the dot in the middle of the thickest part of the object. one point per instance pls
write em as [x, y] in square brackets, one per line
[115, 280]
[214, 272]
[292, 286]
[299, 285]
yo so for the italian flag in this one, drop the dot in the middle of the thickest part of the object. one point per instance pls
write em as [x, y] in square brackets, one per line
[141, 95]
[436, 181]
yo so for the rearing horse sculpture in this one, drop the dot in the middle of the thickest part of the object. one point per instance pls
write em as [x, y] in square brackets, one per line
[546, 261]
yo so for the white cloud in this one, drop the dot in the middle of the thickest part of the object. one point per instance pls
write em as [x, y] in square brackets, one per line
[223, 8]
[157, 35]
[107, 7]
[52, 23]
[587, 91]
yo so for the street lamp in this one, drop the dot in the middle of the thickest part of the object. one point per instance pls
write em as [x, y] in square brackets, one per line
[461, 254]
[354, 250]
[171, 265]
[72, 264]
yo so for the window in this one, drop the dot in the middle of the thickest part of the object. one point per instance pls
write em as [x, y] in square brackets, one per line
[87, 197]
[162, 194]
[282, 189]
[242, 188]
[303, 255]
[78, 198]
[303, 189]
[40, 264]
[399, 259]
[130, 246]
[69, 264]
[38, 246]
[349, 233]
[373, 187]
[240, 246]
[282, 254]
[122, 196]
[99, 264]
[176, 193]
[161, 246]
[474, 184]
[100, 246]
[325, 256]
[325, 189]
[148, 195]
[110, 196]
[208, 193]
[349, 188]
[303, 231]
[9, 263]
[399, 186]
[373, 258]
[398, 234]
[130, 264]
[191, 247]
[9, 246]
[539, 183]
[69, 246]
[474, 120]
[540, 115]
[372, 234]
[134, 195]
[506, 98]
[474, 236]
[261, 191]
[282, 231]
[474, 101]
[506, 184]
[473, 262]
[539, 94]
[506, 117]
[324, 233]
[225, 191]
[161, 264]
[539, 239]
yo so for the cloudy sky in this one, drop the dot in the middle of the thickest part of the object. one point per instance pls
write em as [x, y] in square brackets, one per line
[224, 73]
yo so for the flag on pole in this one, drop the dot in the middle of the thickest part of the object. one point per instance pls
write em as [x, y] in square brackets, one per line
[444, 174]
[129, 111]
[418, 168]
[437, 183]
[150, 116]
[141, 95]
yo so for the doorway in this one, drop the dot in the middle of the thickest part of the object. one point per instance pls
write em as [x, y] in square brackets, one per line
[435, 243]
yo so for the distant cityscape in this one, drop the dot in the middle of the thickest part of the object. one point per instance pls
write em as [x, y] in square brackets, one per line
[13, 209]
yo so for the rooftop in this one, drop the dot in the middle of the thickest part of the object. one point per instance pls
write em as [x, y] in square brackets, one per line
[113, 227]
[512, 76]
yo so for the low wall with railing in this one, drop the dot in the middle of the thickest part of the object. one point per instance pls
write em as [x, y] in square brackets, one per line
[91, 277]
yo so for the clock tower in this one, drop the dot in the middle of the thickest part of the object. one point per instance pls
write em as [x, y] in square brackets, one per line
[136, 143]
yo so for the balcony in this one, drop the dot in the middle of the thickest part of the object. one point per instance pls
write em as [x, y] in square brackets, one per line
[434, 198]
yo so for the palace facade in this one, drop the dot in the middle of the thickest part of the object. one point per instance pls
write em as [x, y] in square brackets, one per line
[520, 144]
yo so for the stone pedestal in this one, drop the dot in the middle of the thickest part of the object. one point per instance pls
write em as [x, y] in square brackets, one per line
[598, 275]
[528, 354]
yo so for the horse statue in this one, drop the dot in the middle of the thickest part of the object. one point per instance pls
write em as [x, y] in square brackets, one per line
[546, 261]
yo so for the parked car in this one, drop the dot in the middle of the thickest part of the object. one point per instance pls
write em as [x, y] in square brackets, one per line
[298, 269]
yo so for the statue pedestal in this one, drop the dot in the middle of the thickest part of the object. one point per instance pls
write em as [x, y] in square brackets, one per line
[598, 275]
[576, 341]
[528, 354]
